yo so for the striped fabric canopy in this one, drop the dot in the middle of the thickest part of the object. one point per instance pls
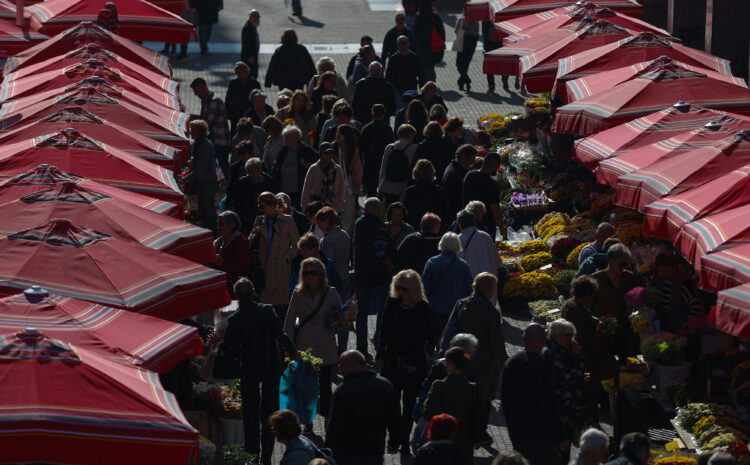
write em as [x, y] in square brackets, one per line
[650, 91]
[14, 39]
[673, 120]
[683, 171]
[610, 170]
[513, 26]
[128, 337]
[137, 19]
[85, 33]
[44, 176]
[93, 266]
[107, 132]
[666, 216]
[97, 211]
[725, 268]
[85, 408]
[75, 152]
[506, 10]
[733, 311]
[643, 47]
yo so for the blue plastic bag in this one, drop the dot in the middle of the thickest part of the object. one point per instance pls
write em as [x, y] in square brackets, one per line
[298, 392]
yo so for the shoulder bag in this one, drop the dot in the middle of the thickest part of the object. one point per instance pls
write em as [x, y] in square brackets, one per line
[310, 317]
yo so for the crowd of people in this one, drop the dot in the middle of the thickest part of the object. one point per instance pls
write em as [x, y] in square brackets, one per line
[328, 203]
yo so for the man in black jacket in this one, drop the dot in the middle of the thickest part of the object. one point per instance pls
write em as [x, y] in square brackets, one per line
[404, 67]
[371, 90]
[362, 408]
[251, 43]
[376, 135]
[256, 330]
[237, 100]
[534, 425]
[453, 181]
[419, 247]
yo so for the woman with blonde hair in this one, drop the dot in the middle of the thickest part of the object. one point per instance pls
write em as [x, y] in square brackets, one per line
[404, 330]
[308, 322]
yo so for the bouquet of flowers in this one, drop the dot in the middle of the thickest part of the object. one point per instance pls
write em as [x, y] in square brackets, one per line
[691, 413]
[312, 363]
[639, 322]
[609, 324]
[535, 261]
[532, 286]
[572, 260]
[231, 401]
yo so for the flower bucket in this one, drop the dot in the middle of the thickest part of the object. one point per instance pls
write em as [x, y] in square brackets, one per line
[671, 374]
[232, 431]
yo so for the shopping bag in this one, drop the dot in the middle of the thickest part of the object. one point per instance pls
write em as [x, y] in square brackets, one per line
[298, 392]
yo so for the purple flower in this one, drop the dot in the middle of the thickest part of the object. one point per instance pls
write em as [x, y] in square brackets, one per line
[636, 298]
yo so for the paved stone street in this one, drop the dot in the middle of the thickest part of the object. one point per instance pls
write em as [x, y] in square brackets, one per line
[333, 28]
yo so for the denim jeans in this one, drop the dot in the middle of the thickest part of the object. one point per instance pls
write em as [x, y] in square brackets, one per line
[364, 296]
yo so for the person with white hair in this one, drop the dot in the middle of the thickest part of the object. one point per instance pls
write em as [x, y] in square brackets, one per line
[592, 448]
[291, 165]
[447, 279]
[563, 353]
[373, 265]
[322, 65]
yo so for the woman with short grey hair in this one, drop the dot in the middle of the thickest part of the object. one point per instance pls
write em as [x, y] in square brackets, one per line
[593, 447]
[450, 243]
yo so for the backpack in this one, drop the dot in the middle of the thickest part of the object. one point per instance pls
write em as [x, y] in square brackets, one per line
[397, 167]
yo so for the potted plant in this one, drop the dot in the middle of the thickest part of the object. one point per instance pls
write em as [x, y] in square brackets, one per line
[663, 351]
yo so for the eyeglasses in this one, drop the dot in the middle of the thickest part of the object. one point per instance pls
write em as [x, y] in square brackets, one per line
[309, 273]
[402, 288]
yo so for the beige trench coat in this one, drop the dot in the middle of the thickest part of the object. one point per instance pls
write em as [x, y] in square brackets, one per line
[277, 264]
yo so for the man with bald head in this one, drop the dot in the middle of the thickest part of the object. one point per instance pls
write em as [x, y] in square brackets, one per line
[370, 90]
[363, 407]
[534, 425]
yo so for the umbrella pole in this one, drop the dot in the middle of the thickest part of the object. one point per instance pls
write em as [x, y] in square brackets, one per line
[19, 13]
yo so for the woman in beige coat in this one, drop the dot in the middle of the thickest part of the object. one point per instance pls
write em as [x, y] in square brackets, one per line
[276, 237]
[310, 322]
[325, 181]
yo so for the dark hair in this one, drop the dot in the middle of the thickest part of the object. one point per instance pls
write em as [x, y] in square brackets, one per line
[328, 214]
[429, 221]
[441, 427]
[491, 159]
[289, 37]
[366, 48]
[665, 259]
[344, 109]
[350, 144]
[378, 110]
[322, 78]
[286, 424]
[272, 123]
[364, 38]
[327, 102]
[609, 242]
[245, 126]
[466, 149]
[197, 82]
[233, 218]
[312, 208]
[395, 206]
[416, 111]
[244, 290]
[457, 356]
[483, 138]
[584, 286]
[245, 147]
[432, 130]
[453, 123]
[466, 219]
[633, 443]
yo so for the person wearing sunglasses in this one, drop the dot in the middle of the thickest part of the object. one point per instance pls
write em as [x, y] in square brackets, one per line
[310, 322]
[404, 334]
[563, 353]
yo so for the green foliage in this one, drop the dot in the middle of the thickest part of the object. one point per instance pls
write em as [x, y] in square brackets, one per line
[236, 455]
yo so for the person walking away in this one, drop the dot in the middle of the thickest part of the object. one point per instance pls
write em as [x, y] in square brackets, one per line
[478, 316]
[251, 43]
[375, 137]
[634, 450]
[490, 43]
[563, 353]
[467, 36]
[453, 178]
[430, 33]
[214, 113]
[373, 264]
[479, 249]
[419, 247]
[528, 403]
[438, 151]
[416, 115]
[238, 94]
[398, 159]
[208, 15]
[424, 196]
[203, 173]
[347, 156]
[441, 448]
[275, 237]
[459, 397]
[256, 330]
[404, 332]
[481, 185]
[363, 394]
[315, 304]
[371, 90]
[447, 279]
[291, 66]
[390, 40]
[593, 448]
[325, 181]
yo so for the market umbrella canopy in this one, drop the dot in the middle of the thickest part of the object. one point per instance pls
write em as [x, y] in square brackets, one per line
[137, 19]
[725, 268]
[14, 86]
[105, 107]
[505, 10]
[514, 26]
[127, 337]
[610, 170]
[89, 33]
[75, 152]
[101, 62]
[65, 404]
[123, 220]
[14, 39]
[666, 216]
[538, 69]
[649, 91]
[732, 314]
[8, 12]
[626, 22]
[645, 130]
[44, 176]
[173, 6]
[89, 265]
[107, 132]
[643, 47]
[675, 174]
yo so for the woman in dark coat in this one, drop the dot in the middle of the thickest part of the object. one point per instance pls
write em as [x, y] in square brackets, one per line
[416, 115]
[208, 15]
[404, 330]
[436, 149]
[232, 250]
[291, 66]
[431, 54]
[424, 196]
[441, 448]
